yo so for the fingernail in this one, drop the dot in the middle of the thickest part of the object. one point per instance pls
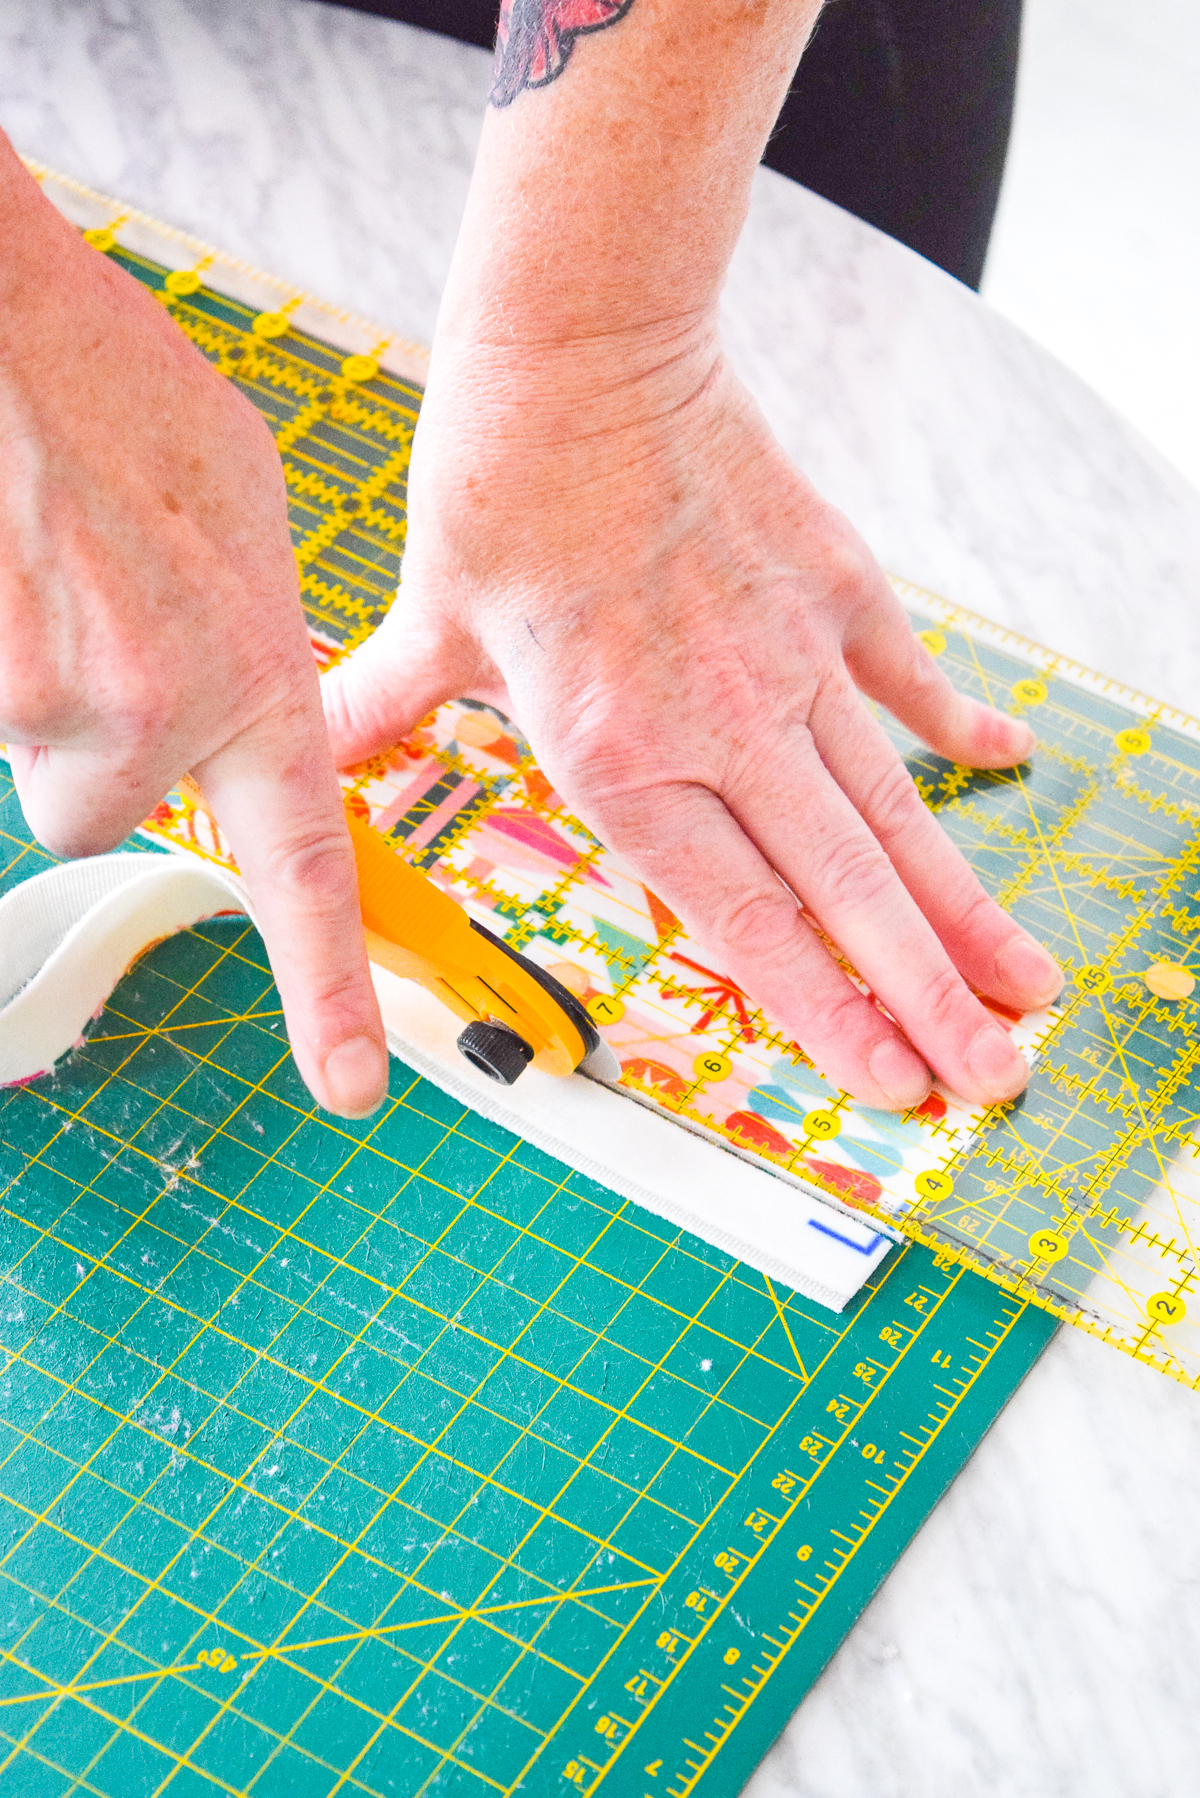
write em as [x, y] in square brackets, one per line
[1000, 1071]
[1023, 739]
[899, 1073]
[356, 1073]
[1024, 967]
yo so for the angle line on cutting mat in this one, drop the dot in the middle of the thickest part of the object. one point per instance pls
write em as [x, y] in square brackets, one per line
[74, 1690]
[462, 1613]
[197, 1320]
[504, 1565]
[218, 1405]
[786, 1327]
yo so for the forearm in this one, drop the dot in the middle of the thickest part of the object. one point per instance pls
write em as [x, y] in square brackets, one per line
[607, 200]
[15, 184]
[31, 232]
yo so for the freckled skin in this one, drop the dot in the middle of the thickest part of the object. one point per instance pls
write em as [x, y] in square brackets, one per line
[604, 540]
[684, 663]
[150, 621]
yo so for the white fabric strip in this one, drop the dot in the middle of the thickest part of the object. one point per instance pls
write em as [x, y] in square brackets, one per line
[68, 935]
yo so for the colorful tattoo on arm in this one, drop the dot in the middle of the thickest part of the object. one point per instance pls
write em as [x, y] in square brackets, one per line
[535, 39]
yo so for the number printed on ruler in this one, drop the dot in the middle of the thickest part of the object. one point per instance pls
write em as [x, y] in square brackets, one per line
[789, 1530]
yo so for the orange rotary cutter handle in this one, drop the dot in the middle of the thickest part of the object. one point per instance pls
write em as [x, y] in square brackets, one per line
[515, 1013]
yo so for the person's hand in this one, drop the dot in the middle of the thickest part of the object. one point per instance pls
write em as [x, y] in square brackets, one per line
[607, 544]
[150, 621]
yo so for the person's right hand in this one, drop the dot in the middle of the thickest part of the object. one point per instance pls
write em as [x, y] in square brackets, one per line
[150, 621]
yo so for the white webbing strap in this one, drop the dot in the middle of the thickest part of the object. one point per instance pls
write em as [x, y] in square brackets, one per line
[67, 936]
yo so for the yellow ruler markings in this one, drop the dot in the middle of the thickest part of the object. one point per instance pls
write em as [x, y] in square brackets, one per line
[716, 1739]
[704, 1627]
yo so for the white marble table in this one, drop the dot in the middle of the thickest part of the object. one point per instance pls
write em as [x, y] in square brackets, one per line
[1039, 1639]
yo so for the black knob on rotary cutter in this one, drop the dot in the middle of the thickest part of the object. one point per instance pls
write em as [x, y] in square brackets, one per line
[495, 1050]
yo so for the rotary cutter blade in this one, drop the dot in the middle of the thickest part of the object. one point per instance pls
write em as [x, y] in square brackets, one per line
[515, 1013]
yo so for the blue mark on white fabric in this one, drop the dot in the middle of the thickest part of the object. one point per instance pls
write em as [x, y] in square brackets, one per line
[858, 1247]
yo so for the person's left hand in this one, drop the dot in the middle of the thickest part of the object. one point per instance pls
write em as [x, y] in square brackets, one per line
[606, 543]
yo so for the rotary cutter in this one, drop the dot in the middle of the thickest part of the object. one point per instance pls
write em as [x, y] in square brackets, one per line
[515, 1013]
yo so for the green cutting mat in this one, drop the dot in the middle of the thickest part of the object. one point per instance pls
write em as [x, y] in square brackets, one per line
[397, 1458]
